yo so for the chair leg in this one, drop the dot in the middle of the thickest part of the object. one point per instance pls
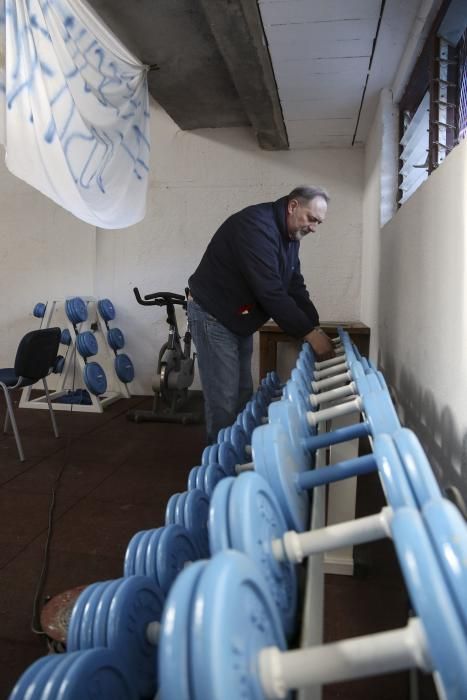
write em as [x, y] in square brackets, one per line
[10, 413]
[52, 414]
[6, 422]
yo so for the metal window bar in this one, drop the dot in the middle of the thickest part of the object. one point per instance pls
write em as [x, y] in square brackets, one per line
[415, 144]
[462, 88]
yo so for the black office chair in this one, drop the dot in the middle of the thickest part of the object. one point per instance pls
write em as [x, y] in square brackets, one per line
[34, 360]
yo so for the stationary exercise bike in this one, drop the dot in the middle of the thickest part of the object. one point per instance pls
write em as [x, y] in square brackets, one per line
[175, 368]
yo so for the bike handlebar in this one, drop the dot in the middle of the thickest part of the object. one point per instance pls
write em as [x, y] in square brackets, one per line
[159, 298]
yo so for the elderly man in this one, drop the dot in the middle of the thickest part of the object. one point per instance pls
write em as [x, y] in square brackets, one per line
[249, 273]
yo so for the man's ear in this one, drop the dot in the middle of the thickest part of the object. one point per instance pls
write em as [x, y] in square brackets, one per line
[292, 204]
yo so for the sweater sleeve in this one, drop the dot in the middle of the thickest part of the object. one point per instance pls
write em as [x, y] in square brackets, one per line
[299, 292]
[258, 253]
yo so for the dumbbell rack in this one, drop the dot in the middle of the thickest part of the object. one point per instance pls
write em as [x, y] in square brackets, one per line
[74, 364]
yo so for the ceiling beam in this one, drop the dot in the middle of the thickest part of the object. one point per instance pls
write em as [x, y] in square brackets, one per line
[237, 28]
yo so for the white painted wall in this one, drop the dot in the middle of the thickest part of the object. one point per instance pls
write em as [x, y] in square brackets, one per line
[45, 252]
[413, 297]
[197, 180]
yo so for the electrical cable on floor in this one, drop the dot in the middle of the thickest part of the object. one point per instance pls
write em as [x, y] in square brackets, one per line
[36, 626]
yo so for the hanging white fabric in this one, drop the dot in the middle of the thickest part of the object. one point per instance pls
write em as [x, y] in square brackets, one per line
[75, 110]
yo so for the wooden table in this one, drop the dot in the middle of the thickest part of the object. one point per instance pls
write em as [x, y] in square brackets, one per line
[270, 335]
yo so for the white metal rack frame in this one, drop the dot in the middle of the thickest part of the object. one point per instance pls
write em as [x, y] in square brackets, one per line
[71, 376]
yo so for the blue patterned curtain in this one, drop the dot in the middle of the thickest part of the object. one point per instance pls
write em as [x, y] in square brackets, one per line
[74, 113]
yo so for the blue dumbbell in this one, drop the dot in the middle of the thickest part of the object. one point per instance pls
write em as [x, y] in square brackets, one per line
[160, 554]
[123, 615]
[250, 658]
[206, 477]
[237, 522]
[447, 531]
[75, 676]
[286, 462]
[190, 509]
[246, 515]
[378, 409]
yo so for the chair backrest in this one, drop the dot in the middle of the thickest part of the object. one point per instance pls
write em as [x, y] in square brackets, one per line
[37, 352]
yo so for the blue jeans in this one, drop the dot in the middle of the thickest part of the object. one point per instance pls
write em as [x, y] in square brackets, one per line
[224, 362]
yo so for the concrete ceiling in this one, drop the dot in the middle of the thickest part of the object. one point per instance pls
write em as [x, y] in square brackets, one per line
[302, 73]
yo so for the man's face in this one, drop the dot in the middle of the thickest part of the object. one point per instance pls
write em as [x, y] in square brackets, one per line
[303, 219]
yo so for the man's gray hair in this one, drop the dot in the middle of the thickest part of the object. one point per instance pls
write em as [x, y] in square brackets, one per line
[305, 194]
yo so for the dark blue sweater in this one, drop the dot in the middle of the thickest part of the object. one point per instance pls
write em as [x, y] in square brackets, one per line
[250, 272]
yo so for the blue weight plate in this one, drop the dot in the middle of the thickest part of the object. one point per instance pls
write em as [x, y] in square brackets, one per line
[432, 601]
[286, 413]
[225, 640]
[48, 677]
[257, 411]
[74, 625]
[295, 398]
[200, 478]
[212, 454]
[86, 343]
[179, 508]
[373, 382]
[239, 441]
[447, 530]
[275, 379]
[382, 380]
[266, 390]
[196, 516]
[205, 454]
[65, 337]
[417, 467]
[39, 310]
[391, 473]
[297, 378]
[59, 364]
[140, 558]
[380, 413]
[137, 602]
[76, 310]
[248, 423]
[218, 527]
[95, 379]
[26, 684]
[220, 435]
[88, 670]
[106, 309]
[256, 520]
[86, 631]
[258, 398]
[124, 368]
[227, 457]
[99, 625]
[278, 461]
[115, 338]
[170, 509]
[298, 375]
[150, 563]
[364, 386]
[214, 473]
[191, 484]
[130, 554]
[176, 549]
[174, 651]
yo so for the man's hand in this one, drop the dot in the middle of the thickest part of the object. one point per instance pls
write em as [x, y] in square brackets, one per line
[321, 344]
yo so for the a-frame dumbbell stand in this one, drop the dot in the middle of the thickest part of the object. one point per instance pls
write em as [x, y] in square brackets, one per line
[75, 364]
